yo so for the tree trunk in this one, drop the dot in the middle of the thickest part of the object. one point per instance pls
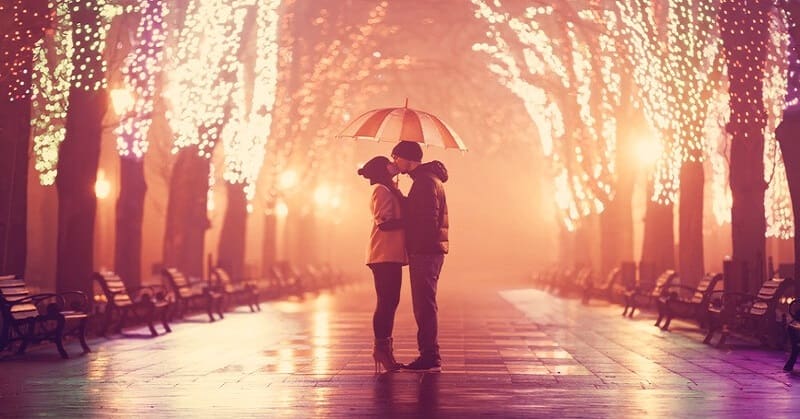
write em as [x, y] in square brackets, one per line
[269, 244]
[130, 213]
[187, 217]
[15, 132]
[78, 159]
[658, 244]
[744, 29]
[690, 224]
[787, 135]
[616, 222]
[230, 255]
[27, 20]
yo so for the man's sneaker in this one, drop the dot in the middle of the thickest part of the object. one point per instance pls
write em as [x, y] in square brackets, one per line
[424, 365]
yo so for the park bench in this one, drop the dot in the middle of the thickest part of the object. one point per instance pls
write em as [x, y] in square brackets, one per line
[287, 280]
[142, 304]
[186, 293]
[32, 318]
[646, 294]
[687, 302]
[243, 292]
[594, 289]
[753, 315]
[793, 330]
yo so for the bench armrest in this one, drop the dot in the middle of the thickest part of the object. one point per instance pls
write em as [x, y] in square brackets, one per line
[74, 300]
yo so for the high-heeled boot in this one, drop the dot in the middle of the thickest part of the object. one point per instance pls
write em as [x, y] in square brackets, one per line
[383, 355]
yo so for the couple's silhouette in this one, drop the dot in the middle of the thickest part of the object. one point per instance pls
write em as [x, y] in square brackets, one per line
[407, 230]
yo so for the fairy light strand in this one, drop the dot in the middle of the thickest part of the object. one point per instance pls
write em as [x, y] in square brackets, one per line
[556, 84]
[139, 71]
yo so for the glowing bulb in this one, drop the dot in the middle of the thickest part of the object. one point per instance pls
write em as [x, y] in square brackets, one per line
[287, 180]
[102, 187]
[122, 100]
[281, 210]
[322, 195]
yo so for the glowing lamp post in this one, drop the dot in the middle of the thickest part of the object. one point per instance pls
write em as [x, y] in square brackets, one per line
[102, 187]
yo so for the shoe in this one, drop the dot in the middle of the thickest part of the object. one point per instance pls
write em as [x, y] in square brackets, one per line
[424, 365]
[383, 355]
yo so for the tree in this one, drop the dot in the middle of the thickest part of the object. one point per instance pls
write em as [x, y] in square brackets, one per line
[678, 69]
[328, 58]
[142, 67]
[200, 83]
[24, 24]
[79, 154]
[562, 61]
[790, 126]
[744, 28]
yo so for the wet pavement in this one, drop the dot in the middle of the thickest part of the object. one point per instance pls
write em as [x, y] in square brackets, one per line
[508, 351]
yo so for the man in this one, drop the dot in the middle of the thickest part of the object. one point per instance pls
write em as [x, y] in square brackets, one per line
[426, 242]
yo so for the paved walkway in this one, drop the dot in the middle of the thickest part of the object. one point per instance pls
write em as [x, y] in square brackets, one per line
[508, 352]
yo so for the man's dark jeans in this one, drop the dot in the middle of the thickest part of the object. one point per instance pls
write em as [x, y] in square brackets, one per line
[424, 271]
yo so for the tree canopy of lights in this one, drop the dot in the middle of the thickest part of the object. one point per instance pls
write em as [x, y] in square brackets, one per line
[778, 204]
[139, 79]
[245, 136]
[202, 74]
[677, 65]
[54, 74]
[51, 78]
[24, 22]
[316, 91]
[561, 63]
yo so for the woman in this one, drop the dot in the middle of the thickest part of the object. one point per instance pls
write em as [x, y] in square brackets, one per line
[386, 255]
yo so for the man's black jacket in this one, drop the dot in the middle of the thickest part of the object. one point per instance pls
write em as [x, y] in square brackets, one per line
[426, 210]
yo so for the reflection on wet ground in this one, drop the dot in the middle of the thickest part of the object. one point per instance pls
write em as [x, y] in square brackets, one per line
[508, 352]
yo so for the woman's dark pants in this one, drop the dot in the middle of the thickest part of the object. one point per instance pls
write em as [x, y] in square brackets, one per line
[388, 277]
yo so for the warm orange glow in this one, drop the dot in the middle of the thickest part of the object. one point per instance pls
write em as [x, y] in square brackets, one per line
[122, 99]
[323, 195]
[281, 210]
[102, 187]
[647, 152]
[287, 180]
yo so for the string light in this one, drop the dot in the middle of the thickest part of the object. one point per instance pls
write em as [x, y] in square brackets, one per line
[139, 71]
[72, 43]
[677, 72]
[578, 78]
[28, 21]
[308, 115]
[51, 77]
[245, 136]
[202, 75]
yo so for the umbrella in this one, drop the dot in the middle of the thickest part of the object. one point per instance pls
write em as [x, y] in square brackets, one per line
[402, 124]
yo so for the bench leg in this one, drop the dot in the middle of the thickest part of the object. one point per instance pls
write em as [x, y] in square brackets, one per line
[712, 327]
[221, 307]
[123, 317]
[26, 338]
[724, 336]
[165, 317]
[107, 320]
[665, 327]
[82, 336]
[58, 338]
[210, 307]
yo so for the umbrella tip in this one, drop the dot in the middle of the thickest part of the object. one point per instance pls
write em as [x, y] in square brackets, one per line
[406, 104]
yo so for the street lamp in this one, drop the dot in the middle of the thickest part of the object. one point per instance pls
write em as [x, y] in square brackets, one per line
[102, 187]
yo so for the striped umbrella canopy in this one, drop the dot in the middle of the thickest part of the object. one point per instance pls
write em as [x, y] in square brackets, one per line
[402, 124]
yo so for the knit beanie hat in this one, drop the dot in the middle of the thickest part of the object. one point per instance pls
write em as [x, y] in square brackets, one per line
[409, 150]
[375, 168]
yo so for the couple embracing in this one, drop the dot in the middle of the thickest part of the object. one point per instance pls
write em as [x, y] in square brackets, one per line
[409, 231]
